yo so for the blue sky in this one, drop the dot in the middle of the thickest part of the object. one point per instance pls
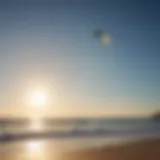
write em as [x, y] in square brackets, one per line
[52, 42]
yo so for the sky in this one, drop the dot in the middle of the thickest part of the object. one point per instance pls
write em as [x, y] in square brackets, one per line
[50, 45]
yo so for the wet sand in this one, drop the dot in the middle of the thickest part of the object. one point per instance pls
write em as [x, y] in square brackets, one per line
[146, 150]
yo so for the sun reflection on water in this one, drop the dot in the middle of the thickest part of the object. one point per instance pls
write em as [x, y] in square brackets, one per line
[35, 125]
[35, 149]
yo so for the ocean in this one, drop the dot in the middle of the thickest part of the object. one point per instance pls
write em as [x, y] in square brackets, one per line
[76, 128]
[40, 138]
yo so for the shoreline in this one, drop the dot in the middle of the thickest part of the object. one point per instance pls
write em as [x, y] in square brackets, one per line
[146, 149]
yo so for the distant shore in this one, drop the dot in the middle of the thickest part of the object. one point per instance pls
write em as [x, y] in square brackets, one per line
[144, 150]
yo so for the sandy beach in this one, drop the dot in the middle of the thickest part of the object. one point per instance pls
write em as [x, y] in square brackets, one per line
[146, 150]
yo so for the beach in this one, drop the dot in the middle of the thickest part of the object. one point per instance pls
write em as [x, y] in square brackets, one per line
[144, 150]
[111, 139]
[140, 150]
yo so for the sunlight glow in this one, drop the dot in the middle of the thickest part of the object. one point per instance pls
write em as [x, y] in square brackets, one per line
[38, 98]
[35, 149]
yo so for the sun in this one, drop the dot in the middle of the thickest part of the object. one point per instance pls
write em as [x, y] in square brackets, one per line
[37, 98]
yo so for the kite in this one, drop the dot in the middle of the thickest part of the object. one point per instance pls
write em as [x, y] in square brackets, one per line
[103, 36]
